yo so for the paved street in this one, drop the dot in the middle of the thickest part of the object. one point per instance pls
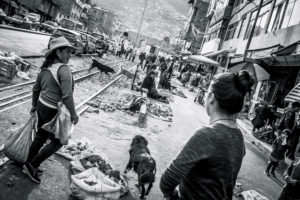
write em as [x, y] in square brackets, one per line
[111, 134]
[22, 43]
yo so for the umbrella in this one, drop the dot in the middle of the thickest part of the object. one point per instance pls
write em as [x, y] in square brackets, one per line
[254, 69]
[2, 13]
[201, 59]
[185, 53]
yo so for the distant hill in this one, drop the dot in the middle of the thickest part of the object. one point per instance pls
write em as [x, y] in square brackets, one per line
[162, 17]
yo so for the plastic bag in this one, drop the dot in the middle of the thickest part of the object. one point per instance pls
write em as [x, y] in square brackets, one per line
[252, 195]
[77, 166]
[94, 185]
[17, 146]
[61, 125]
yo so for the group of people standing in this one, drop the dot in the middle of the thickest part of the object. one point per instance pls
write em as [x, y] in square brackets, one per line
[287, 131]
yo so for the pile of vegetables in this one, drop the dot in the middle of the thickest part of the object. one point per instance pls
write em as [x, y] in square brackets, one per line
[76, 147]
[160, 111]
[107, 106]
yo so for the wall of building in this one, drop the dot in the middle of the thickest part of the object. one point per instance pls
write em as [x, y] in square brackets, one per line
[265, 39]
[283, 37]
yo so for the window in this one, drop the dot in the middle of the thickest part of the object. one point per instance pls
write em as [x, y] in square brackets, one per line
[262, 19]
[276, 18]
[251, 22]
[231, 31]
[242, 27]
[292, 14]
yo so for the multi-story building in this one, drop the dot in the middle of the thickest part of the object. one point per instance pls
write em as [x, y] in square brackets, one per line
[76, 10]
[261, 36]
[108, 23]
[101, 20]
[47, 9]
[196, 23]
[70, 9]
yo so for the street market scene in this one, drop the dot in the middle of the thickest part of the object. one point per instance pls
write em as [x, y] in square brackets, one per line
[149, 99]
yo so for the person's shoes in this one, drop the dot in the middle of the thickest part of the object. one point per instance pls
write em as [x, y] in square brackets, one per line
[267, 173]
[31, 172]
[273, 174]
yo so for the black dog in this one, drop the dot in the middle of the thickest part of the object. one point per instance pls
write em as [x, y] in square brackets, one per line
[142, 163]
[103, 68]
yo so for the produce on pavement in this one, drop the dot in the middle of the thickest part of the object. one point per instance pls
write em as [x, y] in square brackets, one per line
[160, 110]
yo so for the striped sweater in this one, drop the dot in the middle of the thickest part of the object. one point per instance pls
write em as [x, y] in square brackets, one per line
[207, 166]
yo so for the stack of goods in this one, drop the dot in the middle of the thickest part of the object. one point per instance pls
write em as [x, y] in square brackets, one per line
[11, 65]
[265, 134]
[99, 165]
[160, 111]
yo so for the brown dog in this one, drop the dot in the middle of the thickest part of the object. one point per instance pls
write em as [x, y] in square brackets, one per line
[142, 163]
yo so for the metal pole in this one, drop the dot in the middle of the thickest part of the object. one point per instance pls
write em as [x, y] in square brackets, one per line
[253, 28]
[137, 36]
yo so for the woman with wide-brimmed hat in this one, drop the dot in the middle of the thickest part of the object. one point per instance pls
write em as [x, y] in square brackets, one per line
[53, 84]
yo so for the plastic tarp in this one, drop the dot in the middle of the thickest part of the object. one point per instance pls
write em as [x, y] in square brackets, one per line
[294, 94]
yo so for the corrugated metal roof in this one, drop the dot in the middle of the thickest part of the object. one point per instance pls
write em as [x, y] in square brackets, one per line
[294, 94]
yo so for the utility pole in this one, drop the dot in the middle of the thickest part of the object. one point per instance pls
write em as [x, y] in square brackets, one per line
[137, 36]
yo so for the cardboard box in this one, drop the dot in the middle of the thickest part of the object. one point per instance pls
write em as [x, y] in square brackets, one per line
[7, 69]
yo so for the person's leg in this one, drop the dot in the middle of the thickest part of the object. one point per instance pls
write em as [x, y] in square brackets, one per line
[45, 115]
[295, 141]
[47, 151]
[275, 164]
[270, 164]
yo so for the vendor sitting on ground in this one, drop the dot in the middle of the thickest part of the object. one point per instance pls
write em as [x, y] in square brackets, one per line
[149, 84]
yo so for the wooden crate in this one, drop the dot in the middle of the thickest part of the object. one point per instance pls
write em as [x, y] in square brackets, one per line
[7, 69]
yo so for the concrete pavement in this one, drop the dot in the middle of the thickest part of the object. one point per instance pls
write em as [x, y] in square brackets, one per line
[23, 43]
[111, 134]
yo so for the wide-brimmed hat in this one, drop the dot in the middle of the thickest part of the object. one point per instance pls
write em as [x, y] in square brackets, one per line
[57, 43]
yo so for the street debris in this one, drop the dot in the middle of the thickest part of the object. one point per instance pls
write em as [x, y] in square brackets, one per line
[12, 180]
[3, 159]
[178, 93]
[160, 111]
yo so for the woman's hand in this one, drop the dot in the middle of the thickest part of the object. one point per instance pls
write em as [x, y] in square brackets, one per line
[75, 119]
[33, 111]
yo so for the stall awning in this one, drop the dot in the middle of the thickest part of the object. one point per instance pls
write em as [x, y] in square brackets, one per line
[294, 94]
[288, 50]
[217, 53]
[256, 70]
[201, 59]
